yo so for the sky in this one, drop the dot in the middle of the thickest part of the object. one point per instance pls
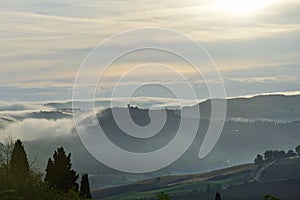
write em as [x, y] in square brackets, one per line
[255, 44]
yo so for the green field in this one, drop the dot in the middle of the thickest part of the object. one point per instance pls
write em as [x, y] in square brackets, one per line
[188, 184]
[187, 188]
[281, 178]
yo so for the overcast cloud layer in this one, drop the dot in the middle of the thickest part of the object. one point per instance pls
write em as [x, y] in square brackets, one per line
[44, 42]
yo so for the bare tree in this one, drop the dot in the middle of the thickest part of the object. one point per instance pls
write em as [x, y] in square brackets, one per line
[34, 162]
[6, 151]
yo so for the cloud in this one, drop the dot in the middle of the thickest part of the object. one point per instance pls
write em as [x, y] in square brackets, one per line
[36, 51]
[34, 93]
[32, 129]
[284, 13]
[6, 106]
[27, 129]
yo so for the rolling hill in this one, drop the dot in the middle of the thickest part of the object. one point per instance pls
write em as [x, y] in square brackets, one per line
[280, 179]
[252, 125]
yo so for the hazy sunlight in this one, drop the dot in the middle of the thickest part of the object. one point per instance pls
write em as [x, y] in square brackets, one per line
[242, 7]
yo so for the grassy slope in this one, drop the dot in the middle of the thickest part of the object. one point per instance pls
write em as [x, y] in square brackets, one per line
[281, 179]
[179, 184]
[282, 170]
[285, 190]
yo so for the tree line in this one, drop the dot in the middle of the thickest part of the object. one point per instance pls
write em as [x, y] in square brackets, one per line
[19, 180]
[271, 155]
[163, 196]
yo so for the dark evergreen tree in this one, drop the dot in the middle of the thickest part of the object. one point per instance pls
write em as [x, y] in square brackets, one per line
[207, 188]
[268, 156]
[270, 197]
[279, 154]
[291, 153]
[19, 165]
[259, 159]
[163, 196]
[298, 150]
[60, 174]
[218, 196]
[85, 187]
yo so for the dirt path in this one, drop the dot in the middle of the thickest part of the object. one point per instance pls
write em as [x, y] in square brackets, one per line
[261, 170]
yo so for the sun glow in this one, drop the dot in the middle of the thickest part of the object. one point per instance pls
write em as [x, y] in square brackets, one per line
[241, 7]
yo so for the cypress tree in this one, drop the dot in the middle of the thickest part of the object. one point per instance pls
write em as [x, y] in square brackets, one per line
[19, 165]
[60, 174]
[85, 187]
[218, 196]
[297, 149]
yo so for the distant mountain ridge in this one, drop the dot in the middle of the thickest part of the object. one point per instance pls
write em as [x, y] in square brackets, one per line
[246, 133]
[273, 107]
